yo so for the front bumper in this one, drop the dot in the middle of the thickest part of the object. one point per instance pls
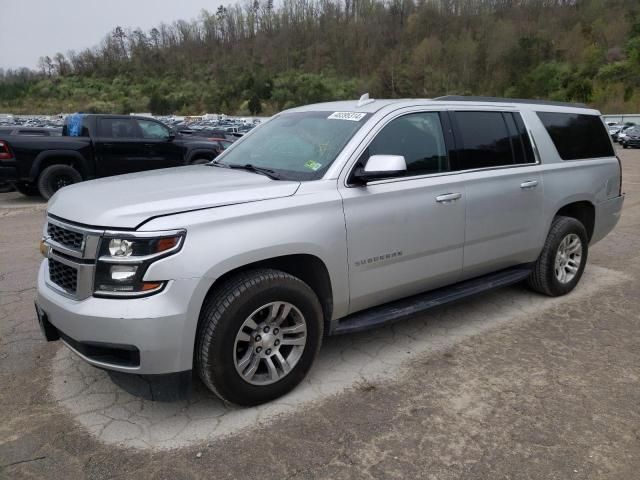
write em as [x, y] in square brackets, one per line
[159, 327]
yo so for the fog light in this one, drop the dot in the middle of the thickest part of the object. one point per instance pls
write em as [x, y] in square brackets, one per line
[119, 247]
[123, 273]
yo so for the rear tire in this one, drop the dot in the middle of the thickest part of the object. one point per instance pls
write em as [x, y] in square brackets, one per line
[55, 177]
[258, 336]
[27, 188]
[563, 258]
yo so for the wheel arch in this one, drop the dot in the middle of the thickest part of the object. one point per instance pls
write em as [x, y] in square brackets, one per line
[196, 153]
[59, 157]
[584, 211]
[307, 267]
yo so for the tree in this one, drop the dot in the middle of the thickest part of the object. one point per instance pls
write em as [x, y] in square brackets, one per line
[255, 107]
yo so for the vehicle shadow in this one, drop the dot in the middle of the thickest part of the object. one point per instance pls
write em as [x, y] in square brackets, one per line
[178, 410]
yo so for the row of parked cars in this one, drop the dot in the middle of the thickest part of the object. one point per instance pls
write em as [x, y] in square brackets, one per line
[40, 161]
[627, 135]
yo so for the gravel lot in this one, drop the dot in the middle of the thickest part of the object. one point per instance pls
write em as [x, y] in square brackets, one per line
[509, 385]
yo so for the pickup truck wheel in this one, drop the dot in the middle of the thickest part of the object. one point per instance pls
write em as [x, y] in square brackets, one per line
[258, 337]
[564, 256]
[27, 188]
[55, 177]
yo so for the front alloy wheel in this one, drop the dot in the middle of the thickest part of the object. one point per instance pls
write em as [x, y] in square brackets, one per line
[259, 333]
[270, 343]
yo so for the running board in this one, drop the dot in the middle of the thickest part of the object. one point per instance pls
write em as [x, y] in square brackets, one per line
[408, 307]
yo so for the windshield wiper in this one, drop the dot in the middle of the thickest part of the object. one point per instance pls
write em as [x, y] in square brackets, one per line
[252, 168]
[216, 163]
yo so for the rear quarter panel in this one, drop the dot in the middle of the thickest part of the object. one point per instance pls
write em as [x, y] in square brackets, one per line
[595, 180]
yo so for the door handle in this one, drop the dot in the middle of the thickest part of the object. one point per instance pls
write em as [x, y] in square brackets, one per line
[529, 184]
[448, 197]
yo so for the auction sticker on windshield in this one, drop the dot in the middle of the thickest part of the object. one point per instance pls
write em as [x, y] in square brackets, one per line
[313, 165]
[352, 116]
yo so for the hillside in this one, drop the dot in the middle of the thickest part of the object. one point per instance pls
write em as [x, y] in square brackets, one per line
[260, 58]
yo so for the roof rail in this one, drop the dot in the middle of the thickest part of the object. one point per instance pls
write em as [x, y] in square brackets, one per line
[463, 98]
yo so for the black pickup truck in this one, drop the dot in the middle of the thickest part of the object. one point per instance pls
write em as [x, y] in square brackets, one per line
[94, 146]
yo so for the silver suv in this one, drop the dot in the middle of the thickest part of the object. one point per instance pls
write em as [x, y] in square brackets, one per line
[327, 219]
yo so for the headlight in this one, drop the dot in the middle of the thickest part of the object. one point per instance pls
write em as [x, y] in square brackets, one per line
[125, 257]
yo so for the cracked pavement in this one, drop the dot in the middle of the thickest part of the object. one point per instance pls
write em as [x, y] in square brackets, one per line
[506, 385]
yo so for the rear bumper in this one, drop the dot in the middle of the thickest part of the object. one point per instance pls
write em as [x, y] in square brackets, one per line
[607, 216]
[8, 172]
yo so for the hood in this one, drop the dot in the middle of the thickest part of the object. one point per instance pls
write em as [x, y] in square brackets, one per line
[126, 201]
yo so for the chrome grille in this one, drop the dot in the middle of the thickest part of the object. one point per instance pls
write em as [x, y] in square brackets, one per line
[63, 275]
[65, 237]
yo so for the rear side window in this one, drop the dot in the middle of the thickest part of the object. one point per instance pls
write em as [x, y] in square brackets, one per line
[75, 126]
[117, 128]
[577, 136]
[485, 140]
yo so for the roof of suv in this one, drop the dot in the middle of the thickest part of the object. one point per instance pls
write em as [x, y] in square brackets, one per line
[374, 105]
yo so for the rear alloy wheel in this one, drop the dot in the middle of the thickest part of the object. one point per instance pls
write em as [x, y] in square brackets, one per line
[563, 258]
[55, 177]
[259, 333]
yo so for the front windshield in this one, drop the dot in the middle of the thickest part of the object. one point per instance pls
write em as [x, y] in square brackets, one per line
[297, 145]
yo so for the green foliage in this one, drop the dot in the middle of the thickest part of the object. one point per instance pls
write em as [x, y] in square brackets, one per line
[259, 58]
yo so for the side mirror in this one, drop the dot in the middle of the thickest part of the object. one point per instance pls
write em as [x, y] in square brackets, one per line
[171, 137]
[379, 167]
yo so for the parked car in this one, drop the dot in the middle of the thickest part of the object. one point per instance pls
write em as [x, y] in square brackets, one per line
[631, 138]
[327, 219]
[94, 146]
[614, 129]
[622, 133]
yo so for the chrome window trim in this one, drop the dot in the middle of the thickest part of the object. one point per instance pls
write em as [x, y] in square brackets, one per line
[443, 174]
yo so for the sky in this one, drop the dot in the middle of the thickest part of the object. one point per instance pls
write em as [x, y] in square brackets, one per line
[35, 28]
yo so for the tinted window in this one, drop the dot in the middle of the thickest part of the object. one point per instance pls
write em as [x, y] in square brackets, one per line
[117, 128]
[577, 135]
[153, 129]
[485, 140]
[418, 138]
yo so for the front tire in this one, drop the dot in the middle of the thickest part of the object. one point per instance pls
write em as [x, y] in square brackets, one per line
[55, 177]
[259, 334]
[563, 258]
